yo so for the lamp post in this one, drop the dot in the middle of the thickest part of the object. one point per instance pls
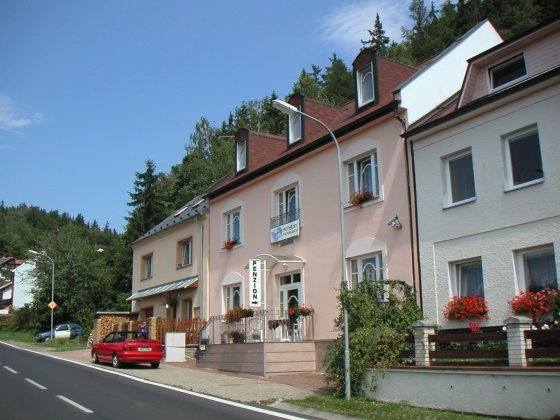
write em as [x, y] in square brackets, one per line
[291, 110]
[51, 304]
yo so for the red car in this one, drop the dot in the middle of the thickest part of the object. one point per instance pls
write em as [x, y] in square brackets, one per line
[127, 347]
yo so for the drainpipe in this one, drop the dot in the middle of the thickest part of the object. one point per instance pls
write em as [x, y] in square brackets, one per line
[408, 183]
[202, 282]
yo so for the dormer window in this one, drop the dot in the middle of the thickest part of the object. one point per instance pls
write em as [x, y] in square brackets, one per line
[294, 127]
[508, 72]
[241, 155]
[365, 84]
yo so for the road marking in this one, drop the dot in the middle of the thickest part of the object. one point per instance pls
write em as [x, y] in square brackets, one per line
[161, 385]
[32, 382]
[10, 369]
[75, 404]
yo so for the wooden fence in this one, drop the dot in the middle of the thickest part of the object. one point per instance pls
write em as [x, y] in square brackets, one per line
[191, 328]
[488, 348]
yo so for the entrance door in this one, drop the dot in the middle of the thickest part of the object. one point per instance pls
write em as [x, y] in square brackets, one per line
[290, 291]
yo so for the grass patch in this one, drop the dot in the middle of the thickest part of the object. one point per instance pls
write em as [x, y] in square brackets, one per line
[366, 409]
[22, 336]
[28, 336]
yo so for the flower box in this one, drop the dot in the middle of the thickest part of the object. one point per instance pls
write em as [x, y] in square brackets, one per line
[469, 307]
[238, 313]
[360, 197]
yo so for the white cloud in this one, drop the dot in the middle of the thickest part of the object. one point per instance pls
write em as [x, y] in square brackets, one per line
[348, 24]
[13, 116]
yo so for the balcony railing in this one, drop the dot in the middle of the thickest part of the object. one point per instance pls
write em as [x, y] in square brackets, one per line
[284, 218]
[263, 326]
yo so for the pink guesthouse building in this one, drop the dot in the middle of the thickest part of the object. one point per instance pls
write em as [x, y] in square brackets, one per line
[280, 205]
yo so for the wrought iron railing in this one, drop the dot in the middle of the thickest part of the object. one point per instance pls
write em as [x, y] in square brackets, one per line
[284, 218]
[263, 326]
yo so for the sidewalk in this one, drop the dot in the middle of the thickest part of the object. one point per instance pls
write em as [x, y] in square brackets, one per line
[232, 386]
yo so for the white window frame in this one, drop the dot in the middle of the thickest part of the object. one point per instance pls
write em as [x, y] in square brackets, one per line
[229, 225]
[295, 127]
[361, 75]
[448, 191]
[355, 183]
[147, 266]
[229, 295]
[184, 245]
[283, 201]
[507, 140]
[361, 263]
[493, 69]
[521, 266]
[456, 269]
[284, 303]
[241, 155]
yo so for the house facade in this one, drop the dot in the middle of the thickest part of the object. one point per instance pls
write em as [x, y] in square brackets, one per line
[281, 204]
[487, 179]
[170, 266]
[16, 280]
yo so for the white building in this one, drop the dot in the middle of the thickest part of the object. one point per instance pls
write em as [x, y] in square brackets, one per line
[487, 179]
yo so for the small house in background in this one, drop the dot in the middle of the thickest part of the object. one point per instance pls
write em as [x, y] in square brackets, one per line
[487, 179]
[16, 281]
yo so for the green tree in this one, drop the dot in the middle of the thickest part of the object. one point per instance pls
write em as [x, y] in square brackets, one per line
[310, 84]
[338, 83]
[148, 207]
[378, 40]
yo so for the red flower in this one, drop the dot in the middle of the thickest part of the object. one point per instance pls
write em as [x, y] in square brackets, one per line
[472, 306]
[534, 304]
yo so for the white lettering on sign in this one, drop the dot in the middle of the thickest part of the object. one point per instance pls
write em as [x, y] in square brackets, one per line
[255, 283]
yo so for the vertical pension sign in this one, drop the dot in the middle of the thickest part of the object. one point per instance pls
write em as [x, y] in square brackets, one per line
[255, 283]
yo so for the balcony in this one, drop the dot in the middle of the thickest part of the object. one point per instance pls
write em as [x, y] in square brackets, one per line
[284, 226]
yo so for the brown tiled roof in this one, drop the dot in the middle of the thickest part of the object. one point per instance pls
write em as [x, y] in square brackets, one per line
[266, 151]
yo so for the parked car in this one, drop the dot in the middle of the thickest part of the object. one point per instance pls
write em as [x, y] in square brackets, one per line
[60, 331]
[127, 347]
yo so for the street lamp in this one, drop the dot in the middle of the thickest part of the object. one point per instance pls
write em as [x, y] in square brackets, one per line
[291, 110]
[51, 304]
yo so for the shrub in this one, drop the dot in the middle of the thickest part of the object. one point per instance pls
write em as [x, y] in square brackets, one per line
[376, 330]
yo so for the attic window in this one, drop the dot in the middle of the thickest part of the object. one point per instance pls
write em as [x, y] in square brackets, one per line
[241, 155]
[364, 81]
[294, 127]
[508, 72]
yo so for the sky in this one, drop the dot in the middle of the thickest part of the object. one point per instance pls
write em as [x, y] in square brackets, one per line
[89, 90]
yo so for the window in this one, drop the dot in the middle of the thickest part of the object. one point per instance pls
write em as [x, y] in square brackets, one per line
[536, 269]
[468, 278]
[294, 127]
[290, 291]
[184, 253]
[364, 81]
[241, 155]
[368, 268]
[147, 266]
[232, 295]
[233, 226]
[508, 72]
[363, 175]
[523, 159]
[288, 206]
[459, 178]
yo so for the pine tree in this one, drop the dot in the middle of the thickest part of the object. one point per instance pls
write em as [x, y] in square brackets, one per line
[338, 83]
[378, 41]
[148, 208]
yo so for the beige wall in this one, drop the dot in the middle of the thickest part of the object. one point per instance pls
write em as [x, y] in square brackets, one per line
[163, 246]
[319, 240]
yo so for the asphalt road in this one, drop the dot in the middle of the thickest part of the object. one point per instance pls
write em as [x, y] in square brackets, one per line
[34, 386]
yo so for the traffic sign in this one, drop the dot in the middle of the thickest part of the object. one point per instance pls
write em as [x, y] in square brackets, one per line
[52, 305]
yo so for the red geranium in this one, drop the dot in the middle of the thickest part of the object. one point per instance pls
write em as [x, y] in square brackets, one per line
[534, 304]
[460, 308]
[361, 196]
